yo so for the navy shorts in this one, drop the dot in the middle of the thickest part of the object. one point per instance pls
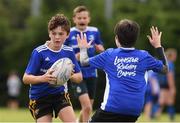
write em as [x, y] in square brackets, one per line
[88, 85]
[13, 97]
[104, 116]
[49, 104]
[164, 86]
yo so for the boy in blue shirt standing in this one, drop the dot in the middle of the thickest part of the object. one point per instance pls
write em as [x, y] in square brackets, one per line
[167, 86]
[85, 91]
[125, 69]
[47, 100]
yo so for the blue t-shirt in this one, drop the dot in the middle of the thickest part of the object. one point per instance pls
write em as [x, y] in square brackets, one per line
[163, 78]
[125, 70]
[41, 60]
[93, 34]
[149, 94]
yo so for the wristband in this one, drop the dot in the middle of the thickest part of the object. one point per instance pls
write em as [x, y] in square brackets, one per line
[161, 55]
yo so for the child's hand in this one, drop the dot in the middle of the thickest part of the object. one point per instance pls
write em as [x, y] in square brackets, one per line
[82, 41]
[48, 77]
[155, 38]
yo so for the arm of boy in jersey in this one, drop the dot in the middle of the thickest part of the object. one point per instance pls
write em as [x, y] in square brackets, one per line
[171, 82]
[83, 45]
[76, 77]
[155, 40]
[32, 79]
[99, 48]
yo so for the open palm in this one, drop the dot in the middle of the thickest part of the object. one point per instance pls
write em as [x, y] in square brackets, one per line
[155, 38]
[82, 41]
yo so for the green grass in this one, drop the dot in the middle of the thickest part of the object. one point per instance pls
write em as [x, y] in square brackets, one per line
[23, 115]
[20, 115]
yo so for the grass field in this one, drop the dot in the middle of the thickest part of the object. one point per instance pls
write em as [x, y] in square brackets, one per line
[23, 115]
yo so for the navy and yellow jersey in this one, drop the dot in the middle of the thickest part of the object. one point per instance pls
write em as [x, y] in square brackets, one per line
[125, 70]
[41, 60]
[92, 34]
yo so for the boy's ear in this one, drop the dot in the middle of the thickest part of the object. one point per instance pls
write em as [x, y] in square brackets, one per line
[117, 41]
[49, 34]
[89, 19]
[67, 35]
[116, 38]
[73, 19]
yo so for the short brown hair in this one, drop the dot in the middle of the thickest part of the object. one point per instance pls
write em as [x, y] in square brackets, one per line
[59, 20]
[127, 32]
[170, 52]
[79, 9]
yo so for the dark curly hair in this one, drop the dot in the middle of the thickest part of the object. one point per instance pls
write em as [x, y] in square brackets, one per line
[59, 20]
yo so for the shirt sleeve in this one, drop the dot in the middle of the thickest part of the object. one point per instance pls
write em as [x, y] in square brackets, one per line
[66, 42]
[154, 64]
[99, 60]
[171, 66]
[98, 38]
[34, 63]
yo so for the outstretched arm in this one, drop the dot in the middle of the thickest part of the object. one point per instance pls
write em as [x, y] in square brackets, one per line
[155, 40]
[83, 45]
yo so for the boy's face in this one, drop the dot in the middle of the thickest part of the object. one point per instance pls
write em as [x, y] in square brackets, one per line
[173, 57]
[57, 37]
[81, 20]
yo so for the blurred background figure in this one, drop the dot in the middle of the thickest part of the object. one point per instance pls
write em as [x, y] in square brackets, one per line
[167, 86]
[151, 95]
[85, 91]
[14, 88]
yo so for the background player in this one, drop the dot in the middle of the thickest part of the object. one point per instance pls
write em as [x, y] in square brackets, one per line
[167, 86]
[85, 91]
[14, 89]
[151, 95]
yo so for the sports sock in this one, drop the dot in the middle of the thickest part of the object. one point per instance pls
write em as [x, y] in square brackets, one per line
[171, 112]
[155, 108]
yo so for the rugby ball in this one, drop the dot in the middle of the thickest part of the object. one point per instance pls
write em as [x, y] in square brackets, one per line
[62, 70]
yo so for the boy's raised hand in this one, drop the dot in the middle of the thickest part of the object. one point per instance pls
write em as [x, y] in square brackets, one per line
[155, 38]
[82, 41]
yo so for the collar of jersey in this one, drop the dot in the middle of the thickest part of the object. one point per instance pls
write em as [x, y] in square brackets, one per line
[80, 30]
[123, 48]
[54, 50]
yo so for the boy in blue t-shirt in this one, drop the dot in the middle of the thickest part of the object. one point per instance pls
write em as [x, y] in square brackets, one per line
[46, 99]
[167, 86]
[151, 95]
[125, 69]
[85, 91]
